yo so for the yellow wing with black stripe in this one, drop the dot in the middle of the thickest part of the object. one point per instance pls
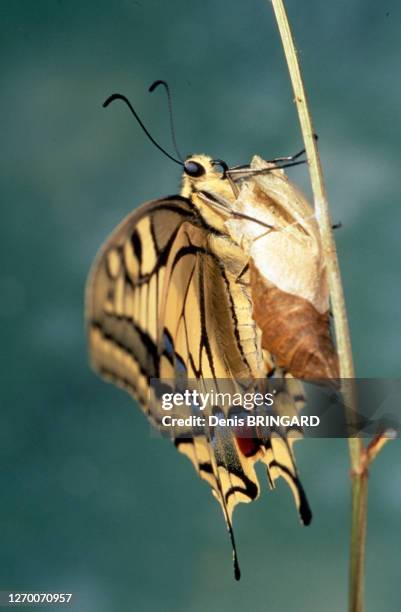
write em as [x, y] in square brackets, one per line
[164, 301]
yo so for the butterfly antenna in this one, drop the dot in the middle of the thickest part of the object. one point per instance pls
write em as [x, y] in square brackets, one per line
[117, 96]
[170, 110]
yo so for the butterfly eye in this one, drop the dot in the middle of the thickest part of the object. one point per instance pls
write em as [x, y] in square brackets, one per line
[194, 169]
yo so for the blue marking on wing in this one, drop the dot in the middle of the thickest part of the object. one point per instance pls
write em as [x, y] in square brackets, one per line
[180, 366]
[168, 345]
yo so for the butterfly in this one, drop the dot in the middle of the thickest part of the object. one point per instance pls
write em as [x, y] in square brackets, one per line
[224, 281]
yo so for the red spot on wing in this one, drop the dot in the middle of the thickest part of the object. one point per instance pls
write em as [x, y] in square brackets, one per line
[248, 445]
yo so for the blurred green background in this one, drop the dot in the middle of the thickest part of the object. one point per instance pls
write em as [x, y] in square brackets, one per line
[91, 503]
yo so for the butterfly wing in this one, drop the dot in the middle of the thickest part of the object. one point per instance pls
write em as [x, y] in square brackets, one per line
[162, 305]
[124, 294]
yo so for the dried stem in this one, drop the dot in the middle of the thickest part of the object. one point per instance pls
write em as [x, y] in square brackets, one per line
[356, 447]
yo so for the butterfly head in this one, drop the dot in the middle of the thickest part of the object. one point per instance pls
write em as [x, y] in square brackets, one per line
[204, 174]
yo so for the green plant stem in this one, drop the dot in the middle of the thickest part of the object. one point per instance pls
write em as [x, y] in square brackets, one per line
[356, 447]
[358, 538]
